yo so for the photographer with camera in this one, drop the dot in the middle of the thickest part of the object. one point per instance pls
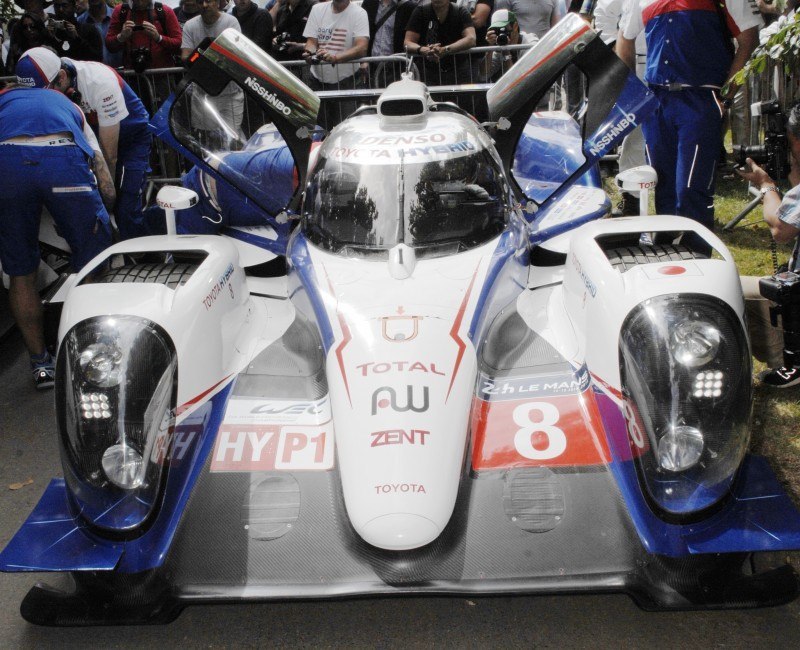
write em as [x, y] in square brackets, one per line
[79, 41]
[504, 30]
[782, 215]
[148, 33]
[291, 17]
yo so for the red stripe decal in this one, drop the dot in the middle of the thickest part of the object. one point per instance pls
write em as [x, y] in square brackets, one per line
[257, 72]
[454, 334]
[606, 386]
[563, 46]
[196, 399]
[346, 338]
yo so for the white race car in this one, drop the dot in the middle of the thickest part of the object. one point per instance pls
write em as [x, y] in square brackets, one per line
[416, 379]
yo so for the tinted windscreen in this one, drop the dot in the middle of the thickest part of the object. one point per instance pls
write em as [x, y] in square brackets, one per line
[460, 200]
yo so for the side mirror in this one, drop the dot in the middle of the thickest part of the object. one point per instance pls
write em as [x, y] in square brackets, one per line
[638, 180]
[172, 198]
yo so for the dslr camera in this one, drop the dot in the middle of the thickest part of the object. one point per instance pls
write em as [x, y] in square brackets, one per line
[140, 59]
[773, 155]
[59, 28]
[784, 290]
[503, 35]
[282, 42]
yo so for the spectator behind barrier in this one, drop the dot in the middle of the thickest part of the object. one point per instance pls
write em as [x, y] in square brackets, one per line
[99, 15]
[534, 16]
[229, 103]
[387, 25]
[187, 10]
[290, 20]
[783, 218]
[147, 33]
[504, 30]
[77, 40]
[29, 31]
[336, 32]
[437, 31]
[256, 23]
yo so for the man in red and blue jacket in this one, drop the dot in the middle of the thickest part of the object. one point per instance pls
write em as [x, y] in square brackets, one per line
[690, 56]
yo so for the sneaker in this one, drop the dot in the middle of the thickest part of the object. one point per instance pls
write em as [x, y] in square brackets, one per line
[782, 377]
[44, 373]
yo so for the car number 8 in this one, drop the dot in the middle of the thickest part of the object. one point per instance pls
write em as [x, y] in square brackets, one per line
[524, 438]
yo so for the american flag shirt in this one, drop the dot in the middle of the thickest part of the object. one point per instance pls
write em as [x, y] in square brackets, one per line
[336, 33]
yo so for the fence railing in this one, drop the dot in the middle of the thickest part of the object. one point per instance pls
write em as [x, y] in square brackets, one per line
[461, 77]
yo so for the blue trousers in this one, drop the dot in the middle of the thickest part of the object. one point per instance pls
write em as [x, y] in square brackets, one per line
[683, 137]
[60, 179]
[133, 164]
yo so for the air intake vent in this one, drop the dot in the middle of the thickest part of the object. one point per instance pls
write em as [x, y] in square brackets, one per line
[171, 275]
[396, 107]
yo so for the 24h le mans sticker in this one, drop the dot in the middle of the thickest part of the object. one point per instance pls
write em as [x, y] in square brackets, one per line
[259, 435]
[537, 421]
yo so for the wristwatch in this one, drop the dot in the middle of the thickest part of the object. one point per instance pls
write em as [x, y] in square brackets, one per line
[769, 188]
[447, 49]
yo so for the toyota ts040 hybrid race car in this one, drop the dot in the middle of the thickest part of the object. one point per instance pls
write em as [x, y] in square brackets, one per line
[434, 371]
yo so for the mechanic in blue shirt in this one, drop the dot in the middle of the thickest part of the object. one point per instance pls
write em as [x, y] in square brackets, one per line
[111, 107]
[266, 174]
[46, 158]
[99, 15]
[690, 56]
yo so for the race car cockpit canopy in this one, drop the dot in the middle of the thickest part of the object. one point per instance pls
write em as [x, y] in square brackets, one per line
[436, 185]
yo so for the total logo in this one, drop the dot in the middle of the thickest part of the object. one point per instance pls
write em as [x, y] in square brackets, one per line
[373, 368]
[386, 397]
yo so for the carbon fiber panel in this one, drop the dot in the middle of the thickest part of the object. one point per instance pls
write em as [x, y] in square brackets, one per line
[481, 543]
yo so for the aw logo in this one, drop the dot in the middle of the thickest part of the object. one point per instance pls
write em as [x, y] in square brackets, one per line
[386, 397]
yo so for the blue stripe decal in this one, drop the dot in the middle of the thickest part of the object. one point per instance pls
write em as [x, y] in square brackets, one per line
[301, 262]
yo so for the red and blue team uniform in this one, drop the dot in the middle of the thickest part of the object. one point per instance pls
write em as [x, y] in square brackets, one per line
[55, 175]
[104, 93]
[688, 60]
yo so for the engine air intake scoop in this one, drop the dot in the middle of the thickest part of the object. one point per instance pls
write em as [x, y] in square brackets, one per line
[404, 101]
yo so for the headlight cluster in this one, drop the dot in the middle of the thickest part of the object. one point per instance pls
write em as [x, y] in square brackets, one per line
[115, 400]
[685, 367]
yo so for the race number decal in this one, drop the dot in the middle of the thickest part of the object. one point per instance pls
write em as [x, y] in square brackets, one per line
[556, 430]
[263, 435]
[539, 440]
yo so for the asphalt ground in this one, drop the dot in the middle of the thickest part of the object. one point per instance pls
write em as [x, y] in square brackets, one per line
[28, 450]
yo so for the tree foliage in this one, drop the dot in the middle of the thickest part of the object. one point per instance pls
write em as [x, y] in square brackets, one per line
[783, 47]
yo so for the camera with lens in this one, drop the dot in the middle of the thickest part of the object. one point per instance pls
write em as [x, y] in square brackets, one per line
[140, 59]
[59, 28]
[503, 35]
[282, 42]
[784, 290]
[773, 155]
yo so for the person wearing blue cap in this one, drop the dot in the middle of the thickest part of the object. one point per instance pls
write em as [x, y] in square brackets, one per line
[114, 110]
[48, 157]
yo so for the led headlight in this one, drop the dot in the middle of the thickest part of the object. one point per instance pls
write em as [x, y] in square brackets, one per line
[115, 403]
[694, 420]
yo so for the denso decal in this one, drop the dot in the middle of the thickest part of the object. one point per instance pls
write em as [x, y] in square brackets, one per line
[401, 488]
[223, 281]
[271, 97]
[420, 138]
[399, 437]
[386, 397]
[381, 367]
[600, 146]
[265, 448]
[490, 388]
